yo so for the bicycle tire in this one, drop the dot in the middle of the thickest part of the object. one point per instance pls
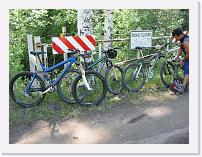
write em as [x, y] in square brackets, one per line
[117, 85]
[167, 69]
[26, 75]
[93, 84]
[131, 83]
[66, 95]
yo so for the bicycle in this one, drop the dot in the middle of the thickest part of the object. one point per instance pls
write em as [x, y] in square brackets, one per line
[28, 89]
[171, 72]
[135, 74]
[113, 73]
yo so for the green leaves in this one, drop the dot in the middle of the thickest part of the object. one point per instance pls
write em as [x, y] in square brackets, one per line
[49, 22]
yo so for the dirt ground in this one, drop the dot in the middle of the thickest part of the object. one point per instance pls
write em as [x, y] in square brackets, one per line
[155, 121]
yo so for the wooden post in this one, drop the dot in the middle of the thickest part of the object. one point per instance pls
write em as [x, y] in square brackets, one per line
[64, 33]
[138, 52]
[37, 47]
[45, 47]
[100, 54]
[32, 59]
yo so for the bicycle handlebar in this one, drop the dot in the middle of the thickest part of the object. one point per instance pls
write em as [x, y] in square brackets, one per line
[107, 51]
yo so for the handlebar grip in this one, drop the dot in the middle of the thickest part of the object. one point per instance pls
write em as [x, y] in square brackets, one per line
[37, 53]
[138, 48]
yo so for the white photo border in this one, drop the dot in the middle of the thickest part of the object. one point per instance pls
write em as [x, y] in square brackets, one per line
[191, 148]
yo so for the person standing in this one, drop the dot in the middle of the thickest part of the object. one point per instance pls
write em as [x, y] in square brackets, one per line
[184, 48]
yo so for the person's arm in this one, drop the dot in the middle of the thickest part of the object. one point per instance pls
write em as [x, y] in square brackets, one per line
[178, 53]
[186, 47]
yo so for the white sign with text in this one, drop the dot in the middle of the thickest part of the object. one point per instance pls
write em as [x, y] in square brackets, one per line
[141, 39]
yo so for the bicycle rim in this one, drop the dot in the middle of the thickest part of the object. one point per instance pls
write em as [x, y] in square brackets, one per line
[134, 77]
[114, 79]
[95, 95]
[24, 96]
[64, 86]
[167, 73]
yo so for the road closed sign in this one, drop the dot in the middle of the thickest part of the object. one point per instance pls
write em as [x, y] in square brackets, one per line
[141, 39]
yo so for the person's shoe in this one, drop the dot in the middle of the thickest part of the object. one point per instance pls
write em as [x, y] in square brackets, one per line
[172, 88]
[176, 87]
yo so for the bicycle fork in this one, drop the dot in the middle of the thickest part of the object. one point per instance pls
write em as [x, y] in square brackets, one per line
[137, 71]
[84, 77]
[116, 77]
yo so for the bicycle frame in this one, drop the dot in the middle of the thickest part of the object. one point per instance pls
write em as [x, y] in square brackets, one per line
[69, 61]
[102, 59]
[145, 64]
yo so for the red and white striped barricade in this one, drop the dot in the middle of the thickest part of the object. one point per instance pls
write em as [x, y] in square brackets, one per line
[62, 44]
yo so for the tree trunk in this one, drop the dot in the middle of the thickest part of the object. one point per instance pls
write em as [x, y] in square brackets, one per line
[108, 28]
[84, 26]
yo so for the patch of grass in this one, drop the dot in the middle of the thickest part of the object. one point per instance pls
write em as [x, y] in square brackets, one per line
[19, 115]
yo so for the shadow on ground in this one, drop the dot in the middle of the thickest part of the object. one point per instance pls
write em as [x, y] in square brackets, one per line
[150, 119]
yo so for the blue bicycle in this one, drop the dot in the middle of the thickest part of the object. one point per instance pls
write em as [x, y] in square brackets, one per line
[88, 88]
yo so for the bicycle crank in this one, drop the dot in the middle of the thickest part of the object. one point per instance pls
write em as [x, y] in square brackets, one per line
[49, 89]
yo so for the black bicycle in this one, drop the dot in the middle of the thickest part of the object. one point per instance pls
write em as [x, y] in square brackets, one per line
[113, 73]
[171, 72]
[136, 73]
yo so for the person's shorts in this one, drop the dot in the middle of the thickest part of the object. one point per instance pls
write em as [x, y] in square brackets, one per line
[186, 67]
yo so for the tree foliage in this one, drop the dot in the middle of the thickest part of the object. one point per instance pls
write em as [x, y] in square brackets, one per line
[47, 23]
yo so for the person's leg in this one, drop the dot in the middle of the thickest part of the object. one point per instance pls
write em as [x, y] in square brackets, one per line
[180, 87]
[186, 80]
[186, 74]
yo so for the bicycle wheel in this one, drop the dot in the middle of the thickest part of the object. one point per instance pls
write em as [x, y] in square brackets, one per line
[95, 95]
[64, 86]
[134, 77]
[167, 72]
[24, 96]
[180, 72]
[114, 79]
